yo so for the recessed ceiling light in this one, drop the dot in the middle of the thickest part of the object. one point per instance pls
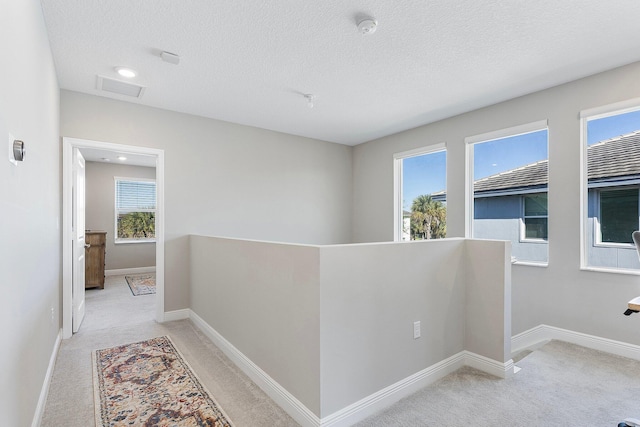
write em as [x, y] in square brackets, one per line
[104, 159]
[126, 72]
[122, 158]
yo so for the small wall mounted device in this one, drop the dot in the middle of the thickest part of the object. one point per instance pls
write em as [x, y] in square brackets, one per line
[18, 150]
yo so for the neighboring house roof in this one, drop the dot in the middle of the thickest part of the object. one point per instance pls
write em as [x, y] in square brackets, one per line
[611, 159]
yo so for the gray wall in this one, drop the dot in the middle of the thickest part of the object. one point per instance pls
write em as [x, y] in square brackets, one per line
[100, 213]
[30, 246]
[541, 295]
[225, 179]
[334, 324]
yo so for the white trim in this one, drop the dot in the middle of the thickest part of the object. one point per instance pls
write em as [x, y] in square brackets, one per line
[606, 110]
[134, 270]
[490, 366]
[391, 394]
[508, 132]
[170, 316]
[434, 148]
[364, 407]
[543, 333]
[398, 209]
[612, 270]
[44, 392]
[279, 394]
[67, 145]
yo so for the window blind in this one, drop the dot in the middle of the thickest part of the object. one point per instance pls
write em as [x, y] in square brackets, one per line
[135, 196]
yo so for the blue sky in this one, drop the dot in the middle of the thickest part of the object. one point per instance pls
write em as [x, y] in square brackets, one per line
[426, 174]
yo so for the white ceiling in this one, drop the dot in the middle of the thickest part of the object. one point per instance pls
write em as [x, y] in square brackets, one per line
[109, 156]
[250, 62]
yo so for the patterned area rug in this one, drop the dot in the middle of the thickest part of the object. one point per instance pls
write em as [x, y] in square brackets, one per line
[143, 284]
[150, 384]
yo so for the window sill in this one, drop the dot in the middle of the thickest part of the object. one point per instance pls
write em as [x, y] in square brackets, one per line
[615, 245]
[128, 241]
[626, 271]
[530, 263]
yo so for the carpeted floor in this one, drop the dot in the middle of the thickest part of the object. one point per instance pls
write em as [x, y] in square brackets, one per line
[116, 322]
[559, 384]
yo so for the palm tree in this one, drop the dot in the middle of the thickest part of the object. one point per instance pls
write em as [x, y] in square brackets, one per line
[428, 218]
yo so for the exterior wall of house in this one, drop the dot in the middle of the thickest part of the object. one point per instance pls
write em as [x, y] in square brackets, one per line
[225, 179]
[30, 245]
[499, 218]
[541, 295]
[100, 213]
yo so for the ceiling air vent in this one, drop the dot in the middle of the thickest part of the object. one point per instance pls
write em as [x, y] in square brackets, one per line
[121, 88]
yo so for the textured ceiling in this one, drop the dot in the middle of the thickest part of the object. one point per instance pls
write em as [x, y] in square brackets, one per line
[250, 62]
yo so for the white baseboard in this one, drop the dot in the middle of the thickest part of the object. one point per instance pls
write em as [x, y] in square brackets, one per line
[170, 316]
[134, 270]
[363, 408]
[279, 394]
[490, 366]
[389, 395]
[543, 333]
[42, 400]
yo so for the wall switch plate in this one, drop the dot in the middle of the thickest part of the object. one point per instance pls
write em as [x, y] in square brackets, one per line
[416, 330]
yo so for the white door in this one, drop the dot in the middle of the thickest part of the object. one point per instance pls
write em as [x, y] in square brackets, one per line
[78, 244]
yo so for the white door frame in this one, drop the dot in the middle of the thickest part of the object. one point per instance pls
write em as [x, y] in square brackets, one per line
[67, 257]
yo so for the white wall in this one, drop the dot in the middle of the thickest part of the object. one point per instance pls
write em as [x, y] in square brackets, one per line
[225, 179]
[560, 295]
[100, 213]
[30, 248]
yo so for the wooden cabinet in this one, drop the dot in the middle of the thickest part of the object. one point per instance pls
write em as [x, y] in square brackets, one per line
[95, 242]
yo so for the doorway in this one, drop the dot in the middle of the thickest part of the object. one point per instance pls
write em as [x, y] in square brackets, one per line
[139, 156]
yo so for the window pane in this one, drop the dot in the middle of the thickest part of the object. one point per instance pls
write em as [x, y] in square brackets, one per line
[613, 169]
[535, 228]
[535, 205]
[506, 172]
[618, 215]
[137, 225]
[424, 196]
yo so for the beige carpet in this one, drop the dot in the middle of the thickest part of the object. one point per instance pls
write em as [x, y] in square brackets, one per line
[560, 384]
[70, 401]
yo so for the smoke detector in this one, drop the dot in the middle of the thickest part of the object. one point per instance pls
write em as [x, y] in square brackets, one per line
[367, 26]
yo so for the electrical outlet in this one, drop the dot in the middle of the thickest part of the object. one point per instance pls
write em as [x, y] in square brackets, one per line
[416, 330]
[53, 314]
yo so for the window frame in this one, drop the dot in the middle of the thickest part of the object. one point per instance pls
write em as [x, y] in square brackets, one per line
[116, 239]
[398, 209]
[585, 116]
[470, 142]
